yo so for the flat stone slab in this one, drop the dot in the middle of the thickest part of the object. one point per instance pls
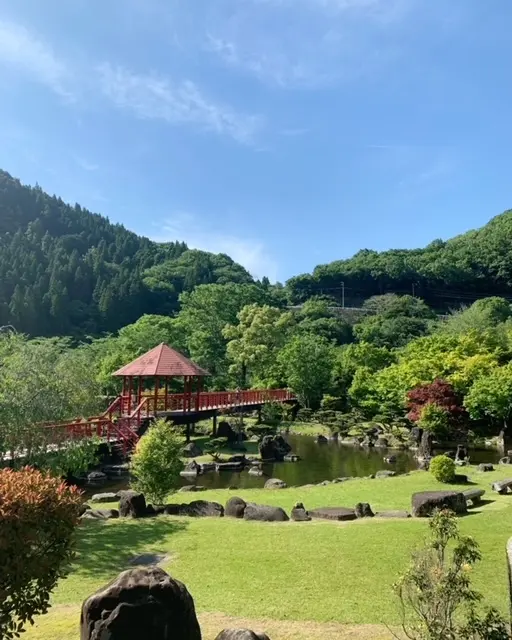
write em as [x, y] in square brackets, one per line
[393, 514]
[99, 498]
[474, 496]
[333, 513]
[502, 486]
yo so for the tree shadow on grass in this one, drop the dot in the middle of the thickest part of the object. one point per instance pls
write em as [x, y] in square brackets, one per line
[107, 548]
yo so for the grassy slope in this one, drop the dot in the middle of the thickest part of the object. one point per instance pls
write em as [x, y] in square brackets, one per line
[318, 571]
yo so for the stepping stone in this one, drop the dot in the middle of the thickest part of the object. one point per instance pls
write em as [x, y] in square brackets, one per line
[502, 486]
[393, 514]
[333, 513]
[474, 496]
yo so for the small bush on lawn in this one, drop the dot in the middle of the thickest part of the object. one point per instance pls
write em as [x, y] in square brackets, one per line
[442, 468]
[304, 415]
[156, 463]
[437, 601]
[332, 403]
[38, 516]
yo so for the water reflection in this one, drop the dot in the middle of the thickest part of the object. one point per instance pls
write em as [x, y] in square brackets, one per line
[324, 462]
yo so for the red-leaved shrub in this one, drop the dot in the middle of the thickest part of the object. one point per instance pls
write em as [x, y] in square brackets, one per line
[38, 516]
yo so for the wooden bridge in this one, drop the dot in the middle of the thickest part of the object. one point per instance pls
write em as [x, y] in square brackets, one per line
[136, 406]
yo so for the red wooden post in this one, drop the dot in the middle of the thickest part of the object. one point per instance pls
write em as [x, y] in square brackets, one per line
[198, 393]
[139, 391]
[166, 392]
[129, 406]
[157, 384]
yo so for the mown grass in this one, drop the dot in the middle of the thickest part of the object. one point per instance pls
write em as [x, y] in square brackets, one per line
[322, 572]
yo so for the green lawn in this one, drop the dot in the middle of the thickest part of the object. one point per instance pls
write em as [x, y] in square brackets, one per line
[321, 572]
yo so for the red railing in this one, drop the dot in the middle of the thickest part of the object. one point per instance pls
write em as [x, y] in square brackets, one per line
[121, 423]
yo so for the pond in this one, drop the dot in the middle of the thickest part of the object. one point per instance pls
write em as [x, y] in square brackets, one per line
[321, 462]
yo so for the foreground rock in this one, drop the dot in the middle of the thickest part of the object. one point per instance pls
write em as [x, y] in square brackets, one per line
[275, 483]
[132, 504]
[140, 603]
[264, 513]
[425, 503]
[241, 634]
[235, 507]
[333, 513]
[299, 513]
[196, 509]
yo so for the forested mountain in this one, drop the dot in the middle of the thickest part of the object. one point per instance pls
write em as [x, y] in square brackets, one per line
[445, 274]
[65, 270]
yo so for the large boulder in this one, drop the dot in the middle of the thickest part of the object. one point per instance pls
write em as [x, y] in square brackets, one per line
[425, 503]
[382, 442]
[321, 439]
[486, 466]
[264, 513]
[235, 507]
[132, 504]
[140, 603]
[275, 483]
[241, 634]
[299, 513]
[96, 478]
[191, 450]
[274, 448]
[196, 509]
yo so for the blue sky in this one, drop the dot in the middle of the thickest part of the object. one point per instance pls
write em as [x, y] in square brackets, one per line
[286, 133]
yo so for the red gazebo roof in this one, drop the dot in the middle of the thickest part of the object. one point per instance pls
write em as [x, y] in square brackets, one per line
[161, 361]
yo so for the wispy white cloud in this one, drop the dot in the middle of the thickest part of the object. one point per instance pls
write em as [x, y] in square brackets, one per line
[25, 52]
[156, 97]
[198, 234]
[304, 44]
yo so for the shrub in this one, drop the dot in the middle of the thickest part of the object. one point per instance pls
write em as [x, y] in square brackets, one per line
[38, 515]
[436, 597]
[156, 463]
[434, 419]
[442, 468]
[304, 415]
[332, 403]
[272, 413]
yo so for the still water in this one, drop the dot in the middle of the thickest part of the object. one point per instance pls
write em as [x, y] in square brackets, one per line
[323, 462]
[318, 462]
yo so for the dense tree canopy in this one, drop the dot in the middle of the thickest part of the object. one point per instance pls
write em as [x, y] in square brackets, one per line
[67, 271]
[445, 274]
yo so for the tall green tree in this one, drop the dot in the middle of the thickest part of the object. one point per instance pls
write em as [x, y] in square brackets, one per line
[307, 364]
[254, 342]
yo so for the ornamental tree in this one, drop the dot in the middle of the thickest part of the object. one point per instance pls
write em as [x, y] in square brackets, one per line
[38, 515]
[156, 463]
[439, 393]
